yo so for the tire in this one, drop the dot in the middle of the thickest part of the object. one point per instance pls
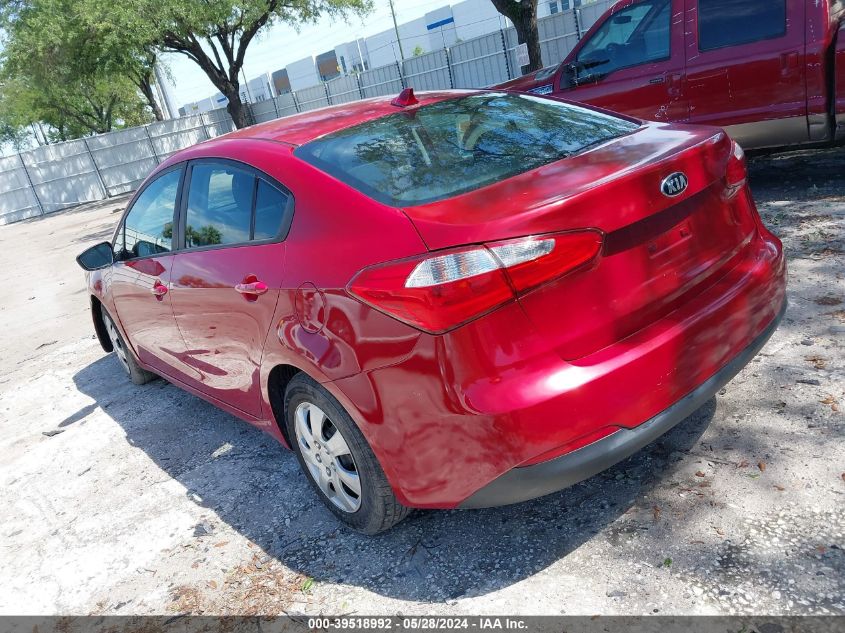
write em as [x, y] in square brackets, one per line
[124, 354]
[314, 420]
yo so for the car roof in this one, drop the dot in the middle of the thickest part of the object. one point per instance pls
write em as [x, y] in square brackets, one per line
[301, 128]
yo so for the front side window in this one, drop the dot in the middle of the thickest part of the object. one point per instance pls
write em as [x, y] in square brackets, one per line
[219, 209]
[148, 227]
[638, 34]
[450, 147]
[724, 23]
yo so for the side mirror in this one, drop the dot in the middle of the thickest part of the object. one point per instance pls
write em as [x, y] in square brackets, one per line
[621, 19]
[96, 257]
[580, 73]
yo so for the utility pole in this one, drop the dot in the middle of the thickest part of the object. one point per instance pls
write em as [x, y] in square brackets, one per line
[246, 85]
[164, 91]
[396, 28]
[360, 54]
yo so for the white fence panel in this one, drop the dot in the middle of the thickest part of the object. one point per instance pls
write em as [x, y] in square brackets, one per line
[589, 14]
[343, 89]
[428, 72]
[17, 199]
[63, 175]
[312, 98]
[558, 36]
[286, 104]
[479, 62]
[172, 135]
[217, 122]
[123, 158]
[385, 80]
[264, 111]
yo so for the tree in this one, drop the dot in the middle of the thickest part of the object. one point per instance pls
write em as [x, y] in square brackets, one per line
[55, 72]
[215, 34]
[523, 14]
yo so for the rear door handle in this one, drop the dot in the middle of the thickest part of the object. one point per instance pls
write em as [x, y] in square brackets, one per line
[158, 290]
[657, 80]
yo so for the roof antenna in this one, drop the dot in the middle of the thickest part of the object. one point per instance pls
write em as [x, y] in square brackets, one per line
[406, 98]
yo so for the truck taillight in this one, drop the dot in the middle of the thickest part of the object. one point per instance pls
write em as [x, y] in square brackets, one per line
[736, 173]
[439, 291]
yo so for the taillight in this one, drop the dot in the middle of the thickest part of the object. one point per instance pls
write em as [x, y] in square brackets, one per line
[736, 174]
[439, 291]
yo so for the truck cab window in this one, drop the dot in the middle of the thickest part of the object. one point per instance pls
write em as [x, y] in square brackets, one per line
[636, 35]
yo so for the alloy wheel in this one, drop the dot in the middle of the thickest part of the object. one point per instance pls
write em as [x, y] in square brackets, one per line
[327, 456]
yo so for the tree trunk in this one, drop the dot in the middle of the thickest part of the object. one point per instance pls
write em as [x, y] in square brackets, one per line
[237, 110]
[523, 14]
[146, 87]
[527, 33]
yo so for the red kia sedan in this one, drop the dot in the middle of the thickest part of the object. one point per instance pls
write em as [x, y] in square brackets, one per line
[455, 300]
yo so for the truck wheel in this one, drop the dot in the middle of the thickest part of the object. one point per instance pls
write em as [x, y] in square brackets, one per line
[337, 460]
[124, 353]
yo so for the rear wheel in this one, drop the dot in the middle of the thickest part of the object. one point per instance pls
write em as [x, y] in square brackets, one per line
[125, 357]
[337, 460]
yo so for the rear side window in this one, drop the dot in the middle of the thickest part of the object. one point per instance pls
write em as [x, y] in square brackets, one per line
[270, 205]
[148, 228]
[219, 205]
[724, 23]
[451, 147]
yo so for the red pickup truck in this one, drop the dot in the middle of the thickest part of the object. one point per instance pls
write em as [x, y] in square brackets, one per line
[771, 72]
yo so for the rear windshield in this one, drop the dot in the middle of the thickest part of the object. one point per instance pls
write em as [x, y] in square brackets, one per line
[451, 147]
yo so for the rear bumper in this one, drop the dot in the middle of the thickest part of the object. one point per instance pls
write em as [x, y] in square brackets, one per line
[529, 482]
[493, 403]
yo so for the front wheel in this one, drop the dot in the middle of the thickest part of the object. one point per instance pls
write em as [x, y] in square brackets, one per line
[337, 460]
[125, 357]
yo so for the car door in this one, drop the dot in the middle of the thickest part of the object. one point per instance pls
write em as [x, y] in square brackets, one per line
[633, 63]
[227, 275]
[140, 280]
[746, 69]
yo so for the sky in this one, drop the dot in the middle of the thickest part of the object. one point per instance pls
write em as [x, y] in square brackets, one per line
[280, 45]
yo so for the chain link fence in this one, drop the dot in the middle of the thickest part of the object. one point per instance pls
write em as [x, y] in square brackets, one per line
[56, 177]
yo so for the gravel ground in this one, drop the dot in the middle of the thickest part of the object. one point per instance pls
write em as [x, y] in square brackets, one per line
[140, 500]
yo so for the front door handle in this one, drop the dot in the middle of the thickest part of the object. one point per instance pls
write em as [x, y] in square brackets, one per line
[674, 84]
[254, 288]
[158, 290]
[789, 63]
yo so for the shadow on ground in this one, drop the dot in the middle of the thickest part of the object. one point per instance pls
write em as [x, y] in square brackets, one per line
[257, 486]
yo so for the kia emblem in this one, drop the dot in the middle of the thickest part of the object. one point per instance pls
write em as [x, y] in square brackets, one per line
[674, 184]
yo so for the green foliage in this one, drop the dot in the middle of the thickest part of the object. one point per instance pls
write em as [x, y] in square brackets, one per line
[215, 34]
[55, 72]
[82, 66]
[418, 50]
[205, 236]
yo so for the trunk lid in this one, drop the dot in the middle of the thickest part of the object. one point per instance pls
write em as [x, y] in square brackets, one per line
[658, 249]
